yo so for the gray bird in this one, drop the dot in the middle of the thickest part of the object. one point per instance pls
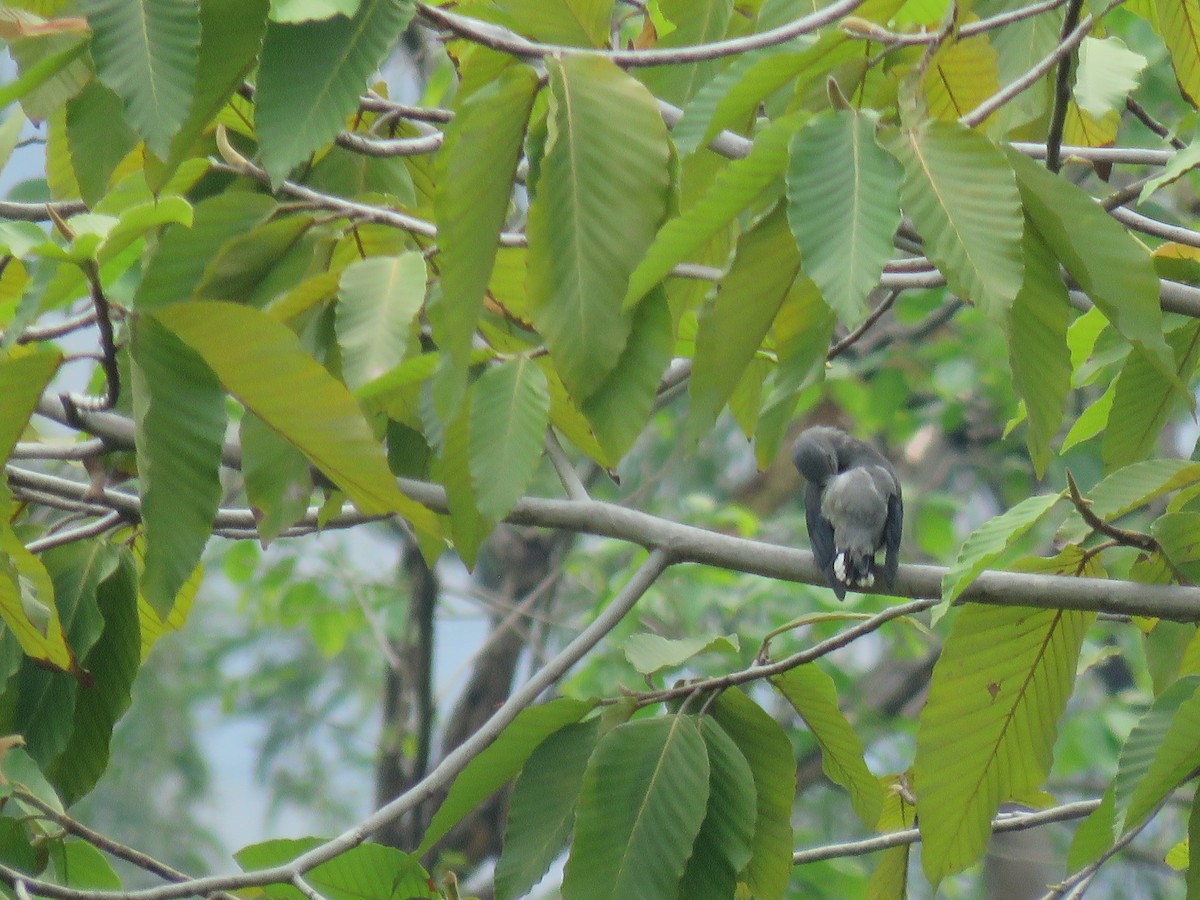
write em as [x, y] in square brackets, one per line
[852, 505]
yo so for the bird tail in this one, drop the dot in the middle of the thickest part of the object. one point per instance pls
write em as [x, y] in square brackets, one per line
[855, 569]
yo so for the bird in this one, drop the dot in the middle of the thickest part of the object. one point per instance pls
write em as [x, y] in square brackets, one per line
[853, 508]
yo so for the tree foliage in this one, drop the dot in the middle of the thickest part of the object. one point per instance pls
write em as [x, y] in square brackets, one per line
[304, 305]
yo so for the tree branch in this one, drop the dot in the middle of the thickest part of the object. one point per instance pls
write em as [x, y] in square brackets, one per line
[1062, 90]
[496, 38]
[439, 778]
[1002, 823]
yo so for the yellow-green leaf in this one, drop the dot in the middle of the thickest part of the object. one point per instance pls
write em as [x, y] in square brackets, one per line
[260, 361]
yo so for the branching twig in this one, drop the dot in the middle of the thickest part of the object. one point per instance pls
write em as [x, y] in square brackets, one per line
[760, 670]
[1121, 535]
[1034, 74]
[1076, 883]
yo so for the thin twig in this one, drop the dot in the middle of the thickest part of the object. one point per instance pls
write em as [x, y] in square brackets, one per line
[1140, 113]
[853, 337]
[505, 41]
[1121, 535]
[1062, 90]
[1031, 77]
[385, 148]
[305, 888]
[104, 843]
[1075, 884]
[562, 466]
[78, 450]
[1002, 823]
[878, 34]
[108, 360]
[58, 329]
[69, 536]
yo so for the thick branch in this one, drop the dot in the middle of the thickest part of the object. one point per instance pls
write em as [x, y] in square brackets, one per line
[689, 544]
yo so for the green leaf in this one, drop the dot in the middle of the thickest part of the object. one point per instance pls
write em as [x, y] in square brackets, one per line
[987, 731]
[23, 377]
[650, 652]
[960, 76]
[365, 871]
[803, 330]
[1182, 162]
[574, 23]
[231, 35]
[45, 703]
[113, 663]
[1095, 834]
[964, 201]
[1192, 879]
[838, 169]
[640, 808]
[890, 877]
[621, 405]
[183, 254]
[1178, 25]
[52, 68]
[735, 187]
[503, 758]
[990, 540]
[1091, 421]
[813, 695]
[145, 50]
[452, 468]
[730, 99]
[311, 76]
[278, 482]
[476, 167]
[19, 768]
[305, 10]
[569, 420]
[1136, 485]
[725, 842]
[510, 409]
[27, 601]
[542, 809]
[1161, 752]
[141, 218]
[245, 265]
[378, 299]
[179, 410]
[1145, 398]
[1107, 262]
[97, 137]
[79, 865]
[1107, 73]
[694, 22]
[769, 752]
[732, 327]
[267, 370]
[1037, 347]
[601, 196]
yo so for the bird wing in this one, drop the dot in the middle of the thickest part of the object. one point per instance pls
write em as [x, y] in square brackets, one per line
[820, 536]
[891, 537]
